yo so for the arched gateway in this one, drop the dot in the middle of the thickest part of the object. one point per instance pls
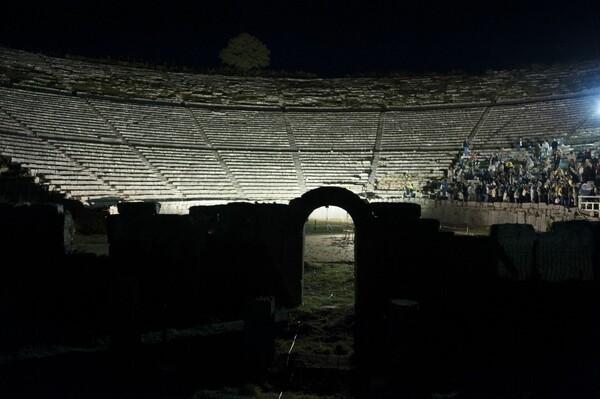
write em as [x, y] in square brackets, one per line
[359, 210]
[217, 258]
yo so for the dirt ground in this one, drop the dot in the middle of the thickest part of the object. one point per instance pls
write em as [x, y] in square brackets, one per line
[91, 243]
[335, 247]
[324, 324]
[320, 330]
[318, 336]
[331, 248]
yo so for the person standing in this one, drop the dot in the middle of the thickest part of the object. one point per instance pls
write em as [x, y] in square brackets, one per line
[466, 147]
[471, 192]
[537, 151]
[587, 174]
[557, 158]
[545, 148]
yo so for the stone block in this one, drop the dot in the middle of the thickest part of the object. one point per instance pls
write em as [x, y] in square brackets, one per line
[516, 244]
[259, 335]
[397, 212]
[261, 309]
[138, 209]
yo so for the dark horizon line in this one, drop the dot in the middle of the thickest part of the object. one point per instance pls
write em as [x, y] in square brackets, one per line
[178, 65]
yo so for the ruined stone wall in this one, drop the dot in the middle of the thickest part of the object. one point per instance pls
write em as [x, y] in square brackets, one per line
[24, 69]
[47, 293]
[207, 264]
[33, 231]
[503, 299]
[540, 216]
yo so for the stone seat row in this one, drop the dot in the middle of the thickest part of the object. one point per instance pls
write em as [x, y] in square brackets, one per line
[45, 113]
[125, 176]
[518, 131]
[122, 166]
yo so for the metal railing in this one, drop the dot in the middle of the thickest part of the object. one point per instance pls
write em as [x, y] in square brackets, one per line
[589, 204]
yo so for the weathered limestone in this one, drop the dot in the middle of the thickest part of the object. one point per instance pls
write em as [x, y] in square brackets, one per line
[33, 70]
[516, 250]
[466, 302]
[259, 335]
[567, 252]
[540, 216]
[172, 136]
[38, 231]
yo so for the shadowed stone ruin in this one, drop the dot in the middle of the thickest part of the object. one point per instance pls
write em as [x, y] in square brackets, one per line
[513, 310]
[203, 185]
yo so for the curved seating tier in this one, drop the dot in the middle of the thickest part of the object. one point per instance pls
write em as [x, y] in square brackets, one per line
[50, 115]
[541, 120]
[58, 171]
[121, 167]
[147, 124]
[235, 128]
[263, 175]
[334, 168]
[196, 173]
[429, 129]
[395, 168]
[333, 130]
[99, 148]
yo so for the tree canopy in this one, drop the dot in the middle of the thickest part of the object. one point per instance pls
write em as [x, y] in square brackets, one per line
[245, 52]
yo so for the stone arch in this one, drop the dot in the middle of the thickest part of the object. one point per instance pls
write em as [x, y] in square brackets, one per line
[359, 209]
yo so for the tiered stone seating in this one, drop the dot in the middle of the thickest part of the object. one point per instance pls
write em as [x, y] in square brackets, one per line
[484, 154]
[233, 138]
[225, 90]
[394, 166]
[148, 124]
[264, 175]
[331, 168]
[429, 129]
[58, 171]
[10, 124]
[55, 115]
[196, 173]
[551, 119]
[98, 77]
[121, 167]
[120, 80]
[234, 128]
[588, 132]
[333, 130]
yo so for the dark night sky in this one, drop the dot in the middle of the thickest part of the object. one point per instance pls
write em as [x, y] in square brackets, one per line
[329, 38]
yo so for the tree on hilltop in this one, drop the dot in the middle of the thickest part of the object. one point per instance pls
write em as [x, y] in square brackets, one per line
[245, 52]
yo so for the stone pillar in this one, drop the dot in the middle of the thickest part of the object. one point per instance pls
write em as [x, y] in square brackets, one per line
[125, 336]
[259, 336]
[402, 340]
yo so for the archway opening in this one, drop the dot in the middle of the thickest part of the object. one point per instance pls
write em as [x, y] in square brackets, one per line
[329, 327]
[329, 282]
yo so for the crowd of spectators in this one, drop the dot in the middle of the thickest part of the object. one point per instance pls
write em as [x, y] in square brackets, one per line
[534, 171]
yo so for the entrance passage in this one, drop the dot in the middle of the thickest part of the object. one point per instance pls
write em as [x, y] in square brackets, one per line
[329, 282]
[329, 278]
[330, 266]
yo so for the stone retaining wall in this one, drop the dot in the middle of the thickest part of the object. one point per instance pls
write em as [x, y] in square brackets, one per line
[540, 216]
